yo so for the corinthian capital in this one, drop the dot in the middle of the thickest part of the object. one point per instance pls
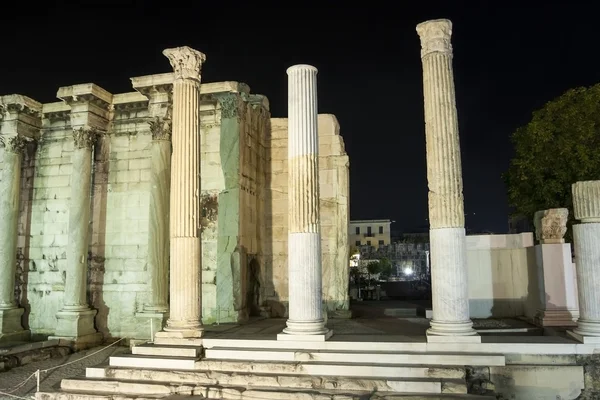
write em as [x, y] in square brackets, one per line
[435, 36]
[13, 144]
[85, 137]
[161, 128]
[186, 62]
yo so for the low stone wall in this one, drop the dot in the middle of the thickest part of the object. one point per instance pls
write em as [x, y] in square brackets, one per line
[503, 278]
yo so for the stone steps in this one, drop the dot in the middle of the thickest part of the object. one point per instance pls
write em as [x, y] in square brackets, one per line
[161, 387]
[308, 368]
[72, 389]
[405, 358]
[417, 384]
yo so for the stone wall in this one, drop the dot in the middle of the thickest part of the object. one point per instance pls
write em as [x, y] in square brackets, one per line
[334, 194]
[502, 275]
[243, 198]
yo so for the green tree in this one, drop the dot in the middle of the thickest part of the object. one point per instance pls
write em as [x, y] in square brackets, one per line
[558, 147]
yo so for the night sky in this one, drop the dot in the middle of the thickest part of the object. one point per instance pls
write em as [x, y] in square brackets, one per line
[508, 61]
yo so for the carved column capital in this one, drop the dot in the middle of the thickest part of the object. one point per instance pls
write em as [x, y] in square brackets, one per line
[85, 138]
[161, 128]
[230, 104]
[14, 144]
[551, 225]
[186, 62]
[435, 36]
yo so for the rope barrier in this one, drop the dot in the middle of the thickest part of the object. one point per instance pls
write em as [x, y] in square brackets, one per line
[37, 374]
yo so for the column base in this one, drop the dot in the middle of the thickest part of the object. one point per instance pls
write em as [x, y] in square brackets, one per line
[180, 336]
[307, 331]
[80, 342]
[586, 332]
[452, 332]
[152, 322]
[11, 328]
[556, 317]
[75, 323]
[23, 335]
[292, 337]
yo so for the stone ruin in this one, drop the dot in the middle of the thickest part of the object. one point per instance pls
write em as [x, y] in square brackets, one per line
[85, 191]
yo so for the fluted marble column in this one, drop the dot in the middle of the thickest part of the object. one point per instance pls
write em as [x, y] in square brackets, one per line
[586, 240]
[186, 257]
[450, 298]
[10, 187]
[304, 233]
[76, 319]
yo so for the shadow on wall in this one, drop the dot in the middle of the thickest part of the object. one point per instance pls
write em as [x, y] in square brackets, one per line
[24, 232]
[97, 254]
[269, 300]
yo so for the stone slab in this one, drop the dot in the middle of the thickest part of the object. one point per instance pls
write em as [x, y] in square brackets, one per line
[79, 342]
[169, 351]
[193, 342]
[375, 358]
[304, 338]
[453, 339]
[594, 340]
[138, 361]
[20, 336]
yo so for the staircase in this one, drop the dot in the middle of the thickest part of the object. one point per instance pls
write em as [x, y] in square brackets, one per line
[233, 370]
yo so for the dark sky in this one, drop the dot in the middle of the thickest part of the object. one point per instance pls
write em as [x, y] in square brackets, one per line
[508, 61]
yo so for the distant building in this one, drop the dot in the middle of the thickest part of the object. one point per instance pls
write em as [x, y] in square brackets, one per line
[370, 232]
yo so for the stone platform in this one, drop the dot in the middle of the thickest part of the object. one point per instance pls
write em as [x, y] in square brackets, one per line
[385, 358]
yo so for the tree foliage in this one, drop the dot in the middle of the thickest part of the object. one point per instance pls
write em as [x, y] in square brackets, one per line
[558, 147]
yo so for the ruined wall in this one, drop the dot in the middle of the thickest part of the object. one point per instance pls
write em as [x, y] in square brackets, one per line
[232, 182]
[334, 194]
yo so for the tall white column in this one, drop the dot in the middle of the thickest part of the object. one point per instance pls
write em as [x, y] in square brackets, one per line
[10, 188]
[586, 240]
[450, 298]
[76, 318]
[304, 233]
[186, 257]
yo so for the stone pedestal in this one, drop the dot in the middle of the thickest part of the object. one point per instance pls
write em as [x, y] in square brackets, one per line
[75, 321]
[305, 320]
[10, 186]
[558, 288]
[450, 296]
[586, 238]
[185, 249]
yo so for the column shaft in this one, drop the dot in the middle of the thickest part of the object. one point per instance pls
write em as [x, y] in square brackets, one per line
[10, 185]
[450, 296]
[79, 220]
[304, 237]
[586, 236]
[158, 236]
[185, 242]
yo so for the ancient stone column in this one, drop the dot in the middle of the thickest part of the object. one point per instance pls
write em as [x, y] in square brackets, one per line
[158, 235]
[304, 233]
[186, 257]
[586, 240]
[76, 319]
[10, 188]
[450, 298]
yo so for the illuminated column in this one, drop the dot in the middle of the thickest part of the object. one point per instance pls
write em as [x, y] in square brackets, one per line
[185, 250]
[450, 296]
[304, 234]
[586, 240]
[10, 187]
